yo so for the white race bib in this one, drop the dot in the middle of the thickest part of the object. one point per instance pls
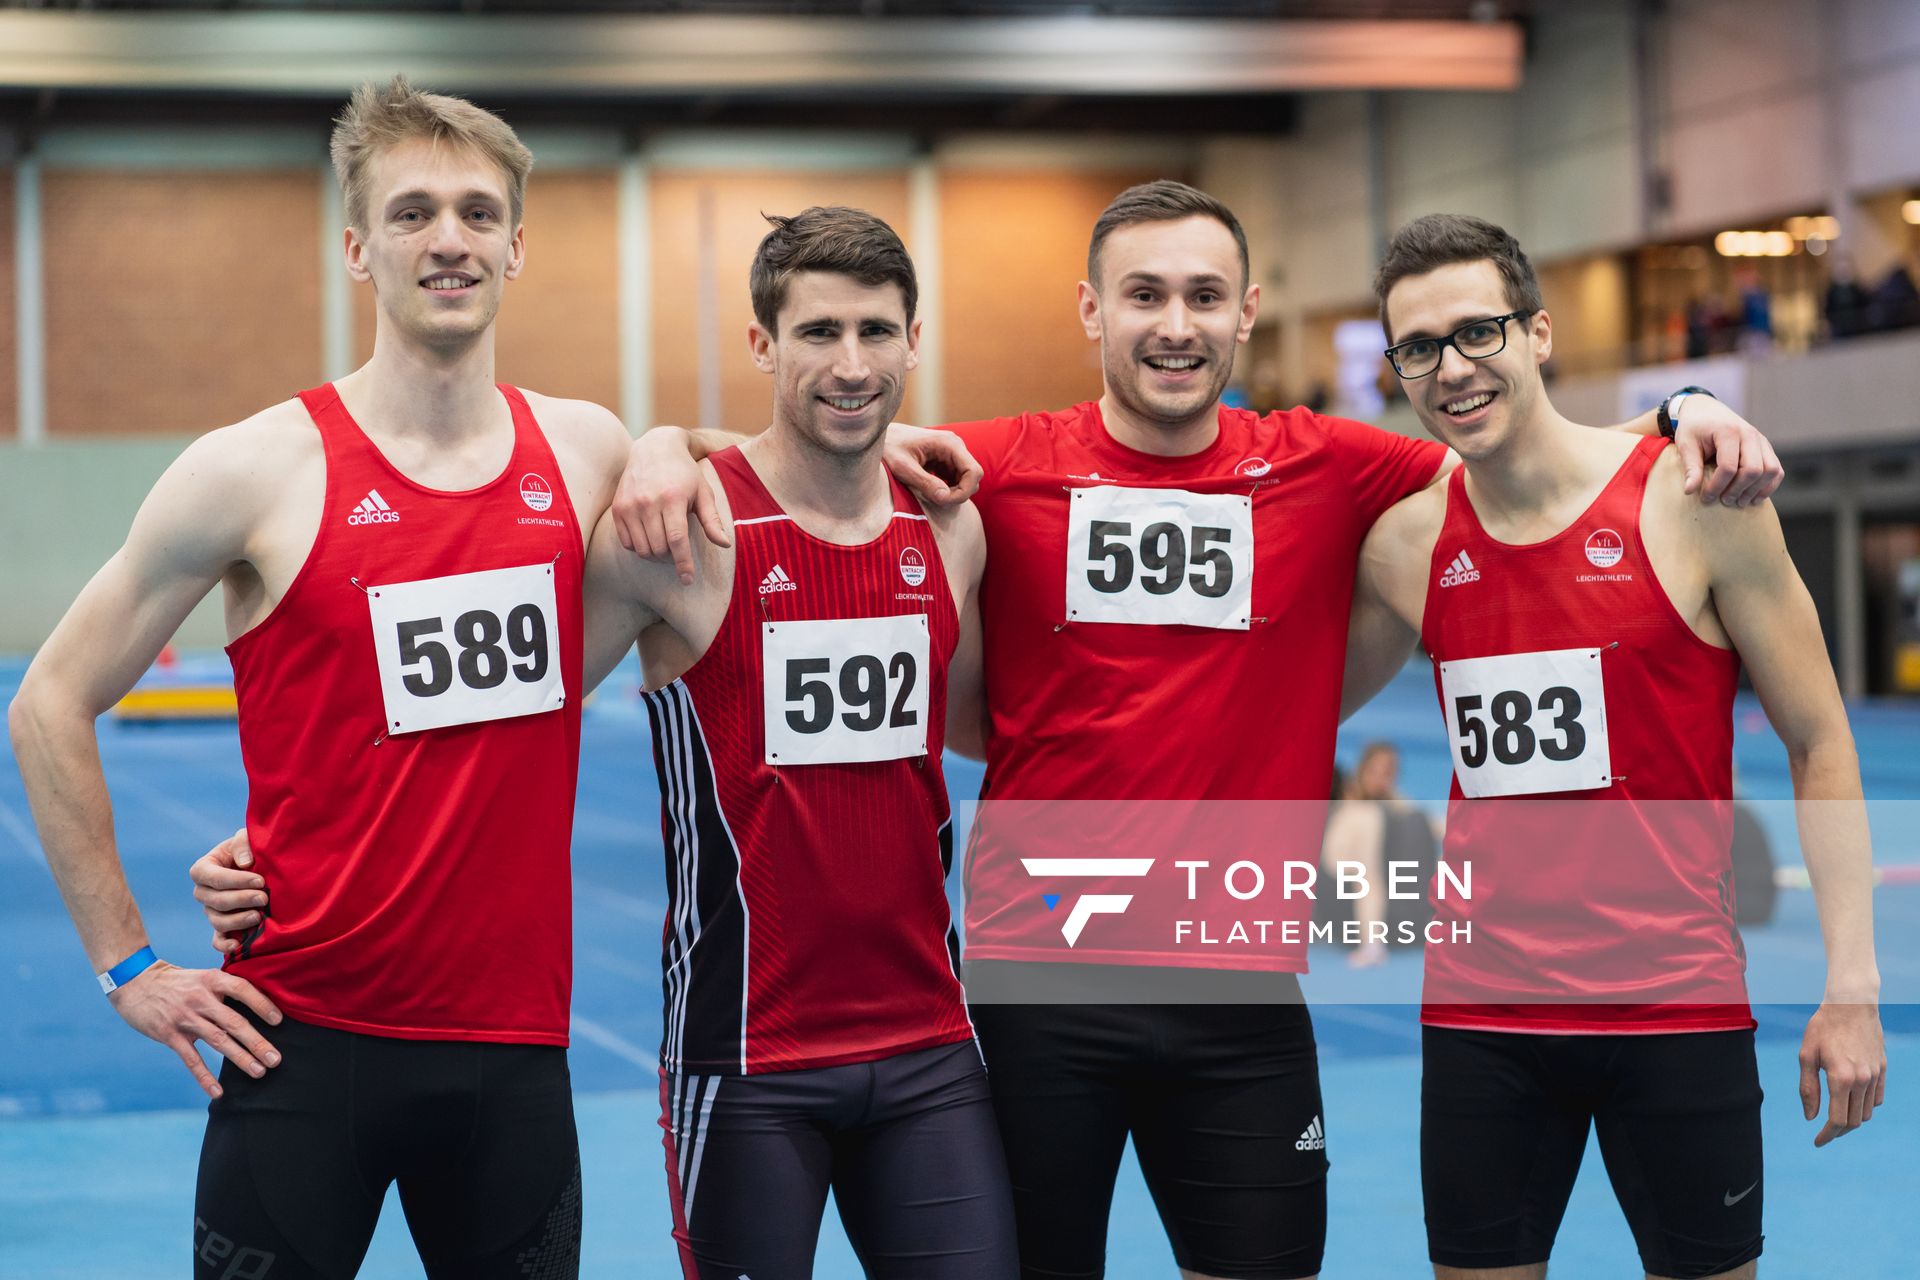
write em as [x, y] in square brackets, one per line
[845, 690]
[1160, 557]
[467, 648]
[1527, 723]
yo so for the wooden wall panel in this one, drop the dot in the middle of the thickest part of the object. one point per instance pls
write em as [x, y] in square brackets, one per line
[9, 340]
[736, 201]
[558, 331]
[177, 301]
[1014, 245]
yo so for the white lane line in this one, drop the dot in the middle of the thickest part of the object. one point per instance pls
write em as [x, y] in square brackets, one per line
[620, 1047]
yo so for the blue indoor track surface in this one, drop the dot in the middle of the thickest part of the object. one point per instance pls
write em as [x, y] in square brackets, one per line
[100, 1129]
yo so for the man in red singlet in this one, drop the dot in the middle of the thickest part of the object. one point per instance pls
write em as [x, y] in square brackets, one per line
[1587, 624]
[1164, 623]
[400, 554]
[815, 1032]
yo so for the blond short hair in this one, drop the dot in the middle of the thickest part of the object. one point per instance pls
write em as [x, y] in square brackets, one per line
[380, 116]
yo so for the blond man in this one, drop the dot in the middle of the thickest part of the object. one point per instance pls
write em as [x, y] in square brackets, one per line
[400, 556]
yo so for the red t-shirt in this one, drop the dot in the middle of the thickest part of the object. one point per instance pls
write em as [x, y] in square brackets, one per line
[1162, 629]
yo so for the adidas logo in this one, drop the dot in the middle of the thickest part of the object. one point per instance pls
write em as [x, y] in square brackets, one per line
[1314, 1139]
[776, 580]
[1461, 570]
[373, 509]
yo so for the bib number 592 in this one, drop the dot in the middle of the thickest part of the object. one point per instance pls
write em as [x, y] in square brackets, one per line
[862, 685]
[845, 690]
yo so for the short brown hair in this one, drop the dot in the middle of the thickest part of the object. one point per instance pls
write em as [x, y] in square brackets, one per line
[1442, 239]
[379, 116]
[834, 239]
[1163, 200]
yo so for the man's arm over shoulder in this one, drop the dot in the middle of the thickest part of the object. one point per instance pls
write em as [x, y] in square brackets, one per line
[1389, 595]
[626, 594]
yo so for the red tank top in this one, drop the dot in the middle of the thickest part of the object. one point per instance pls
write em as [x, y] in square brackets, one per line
[803, 805]
[410, 726]
[1592, 740]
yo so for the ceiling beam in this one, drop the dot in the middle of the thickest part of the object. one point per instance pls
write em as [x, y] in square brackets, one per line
[674, 55]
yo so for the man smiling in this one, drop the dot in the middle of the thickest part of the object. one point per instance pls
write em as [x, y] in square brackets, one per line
[400, 554]
[1588, 625]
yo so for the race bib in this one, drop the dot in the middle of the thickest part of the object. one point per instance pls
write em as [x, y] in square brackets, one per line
[1160, 558]
[1527, 723]
[467, 648]
[846, 690]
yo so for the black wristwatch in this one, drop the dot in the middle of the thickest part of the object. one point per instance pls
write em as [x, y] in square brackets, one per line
[1668, 415]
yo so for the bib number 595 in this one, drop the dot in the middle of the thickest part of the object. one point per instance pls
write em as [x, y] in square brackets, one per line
[1163, 558]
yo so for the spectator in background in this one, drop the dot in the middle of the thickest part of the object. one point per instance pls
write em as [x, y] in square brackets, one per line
[1845, 306]
[1356, 832]
[1373, 824]
[1756, 313]
[1895, 302]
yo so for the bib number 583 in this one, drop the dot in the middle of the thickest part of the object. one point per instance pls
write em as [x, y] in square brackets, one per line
[1528, 723]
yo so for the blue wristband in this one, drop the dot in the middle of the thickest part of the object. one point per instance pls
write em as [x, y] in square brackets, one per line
[127, 970]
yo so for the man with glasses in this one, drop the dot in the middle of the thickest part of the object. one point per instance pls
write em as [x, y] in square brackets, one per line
[1588, 625]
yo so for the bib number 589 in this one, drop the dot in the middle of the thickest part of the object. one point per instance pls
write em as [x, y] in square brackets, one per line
[497, 658]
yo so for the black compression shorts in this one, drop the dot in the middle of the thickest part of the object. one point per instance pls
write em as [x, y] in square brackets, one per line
[480, 1138]
[907, 1145]
[1504, 1120]
[1222, 1102]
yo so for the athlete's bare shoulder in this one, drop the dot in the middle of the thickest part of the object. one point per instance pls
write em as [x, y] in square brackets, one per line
[1413, 521]
[250, 466]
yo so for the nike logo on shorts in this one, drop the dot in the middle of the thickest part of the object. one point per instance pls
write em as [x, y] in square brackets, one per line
[1732, 1199]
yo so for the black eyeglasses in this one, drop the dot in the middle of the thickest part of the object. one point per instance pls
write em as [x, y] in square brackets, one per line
[1476, 340]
